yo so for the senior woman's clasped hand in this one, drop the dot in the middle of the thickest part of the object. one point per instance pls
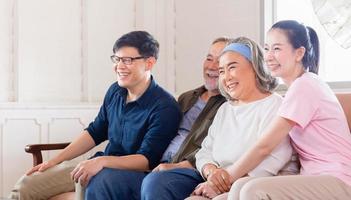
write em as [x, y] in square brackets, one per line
[218, 182]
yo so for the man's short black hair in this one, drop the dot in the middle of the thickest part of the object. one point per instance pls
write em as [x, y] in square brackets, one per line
[143, 41]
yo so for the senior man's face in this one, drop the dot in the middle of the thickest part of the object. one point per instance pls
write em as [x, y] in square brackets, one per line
[237, 76]
[210, 66]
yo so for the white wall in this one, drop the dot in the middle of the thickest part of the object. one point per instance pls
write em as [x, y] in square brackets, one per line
[58, 51]
[54, 58]
[198, 22]
[5, 50]
[48, 50]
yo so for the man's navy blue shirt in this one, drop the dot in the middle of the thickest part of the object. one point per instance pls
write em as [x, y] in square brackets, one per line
[145, 126]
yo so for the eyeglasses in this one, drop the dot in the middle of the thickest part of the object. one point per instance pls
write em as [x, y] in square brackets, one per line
[125, 60]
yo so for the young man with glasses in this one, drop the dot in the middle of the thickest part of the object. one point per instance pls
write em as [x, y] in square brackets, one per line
[137, 117]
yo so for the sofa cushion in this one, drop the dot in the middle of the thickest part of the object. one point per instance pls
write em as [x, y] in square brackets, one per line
[345, 101]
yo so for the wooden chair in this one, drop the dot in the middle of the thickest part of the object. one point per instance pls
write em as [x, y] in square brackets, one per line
[36, 150]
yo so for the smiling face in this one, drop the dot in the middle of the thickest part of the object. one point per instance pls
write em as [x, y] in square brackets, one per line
[210, 67]
[281, 58]
[136, 74]
[237, 76]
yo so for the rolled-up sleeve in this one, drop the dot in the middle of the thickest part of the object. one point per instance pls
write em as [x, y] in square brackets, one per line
[98, 129]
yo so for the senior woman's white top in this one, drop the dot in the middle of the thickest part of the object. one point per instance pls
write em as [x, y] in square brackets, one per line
[236, 128]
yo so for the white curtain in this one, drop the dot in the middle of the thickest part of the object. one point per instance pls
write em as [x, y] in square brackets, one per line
[335, 16]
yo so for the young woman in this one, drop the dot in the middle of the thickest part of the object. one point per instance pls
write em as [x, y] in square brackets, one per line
[241, 121]
[311, 115]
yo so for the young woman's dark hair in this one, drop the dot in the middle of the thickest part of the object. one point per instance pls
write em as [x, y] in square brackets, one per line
[143, 41]
[301, 36]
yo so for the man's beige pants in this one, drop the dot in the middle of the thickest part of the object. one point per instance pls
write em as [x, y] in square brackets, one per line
[43, 185]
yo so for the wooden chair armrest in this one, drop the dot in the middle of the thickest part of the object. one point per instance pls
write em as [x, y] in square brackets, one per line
[35, 150]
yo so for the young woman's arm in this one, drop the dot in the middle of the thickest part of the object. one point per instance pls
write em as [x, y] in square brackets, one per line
[274, 135]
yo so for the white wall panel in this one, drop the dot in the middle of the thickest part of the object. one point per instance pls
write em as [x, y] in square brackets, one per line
[64, 129]
[157, 17]
[16, 134]
[104, 23]
[49, 50]
[5, 50]
[1, 160]
[195, 30]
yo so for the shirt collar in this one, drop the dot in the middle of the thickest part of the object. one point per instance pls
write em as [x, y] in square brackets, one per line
[146, 97]
[149, 95]
[200, 90]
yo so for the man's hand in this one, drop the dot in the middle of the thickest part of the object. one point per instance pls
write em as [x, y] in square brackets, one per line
[165, 166]
[41, 167]
[168, 166]
[85, 170]
[204, 189]
[220, 180]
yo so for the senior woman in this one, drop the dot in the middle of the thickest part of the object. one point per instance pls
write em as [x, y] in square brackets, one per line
[241, 121]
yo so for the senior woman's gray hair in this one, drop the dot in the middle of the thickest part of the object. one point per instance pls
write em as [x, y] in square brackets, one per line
[264, 81]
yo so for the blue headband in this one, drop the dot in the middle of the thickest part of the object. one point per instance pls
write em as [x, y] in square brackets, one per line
[239, 48]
